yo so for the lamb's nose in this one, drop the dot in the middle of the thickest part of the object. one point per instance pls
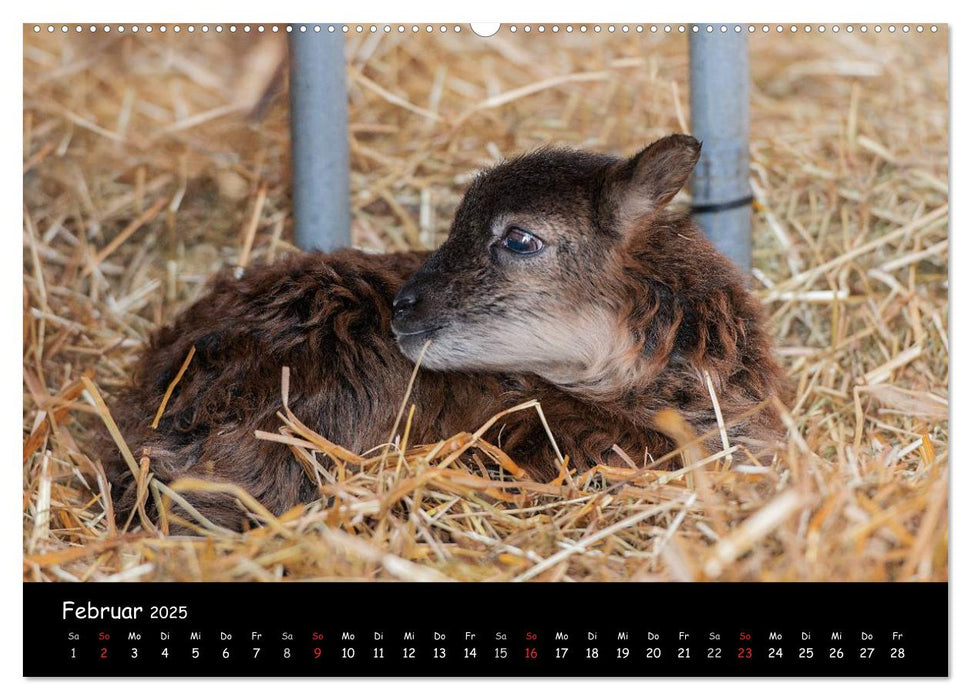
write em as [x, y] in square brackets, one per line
[404, 302]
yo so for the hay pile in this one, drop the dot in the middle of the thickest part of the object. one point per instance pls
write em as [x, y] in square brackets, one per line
[150, 161]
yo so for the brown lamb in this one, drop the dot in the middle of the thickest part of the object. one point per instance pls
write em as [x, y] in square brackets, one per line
[565, 278]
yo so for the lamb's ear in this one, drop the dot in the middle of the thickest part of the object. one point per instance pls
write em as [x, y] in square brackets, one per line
[645, 183]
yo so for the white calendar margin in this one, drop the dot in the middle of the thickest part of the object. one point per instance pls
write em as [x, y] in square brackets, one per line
[171, 11]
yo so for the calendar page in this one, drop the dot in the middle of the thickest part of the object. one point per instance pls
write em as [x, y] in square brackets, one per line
[549, 349]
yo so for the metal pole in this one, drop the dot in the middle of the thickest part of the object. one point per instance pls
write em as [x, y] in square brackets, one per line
[318, 129]
[722, 197]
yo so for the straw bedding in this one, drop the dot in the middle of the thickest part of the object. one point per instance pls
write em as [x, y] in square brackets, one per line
[151, 161]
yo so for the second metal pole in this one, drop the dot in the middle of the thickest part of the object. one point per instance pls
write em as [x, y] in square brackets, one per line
[721, 194]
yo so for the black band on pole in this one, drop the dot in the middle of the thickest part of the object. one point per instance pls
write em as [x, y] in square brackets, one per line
[724, 206]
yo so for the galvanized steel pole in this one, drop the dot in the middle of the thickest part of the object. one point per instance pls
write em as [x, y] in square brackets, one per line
[319, 140]
[722, 197]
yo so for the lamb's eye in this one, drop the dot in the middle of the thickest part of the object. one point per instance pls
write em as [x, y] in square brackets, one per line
[521, 242]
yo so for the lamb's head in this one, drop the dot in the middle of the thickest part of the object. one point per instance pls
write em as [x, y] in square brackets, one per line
[525, 281]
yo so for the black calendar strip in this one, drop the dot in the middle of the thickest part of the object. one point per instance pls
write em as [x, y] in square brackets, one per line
[404, 629]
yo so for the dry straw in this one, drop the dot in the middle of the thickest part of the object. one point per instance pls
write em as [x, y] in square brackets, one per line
[152, 161]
